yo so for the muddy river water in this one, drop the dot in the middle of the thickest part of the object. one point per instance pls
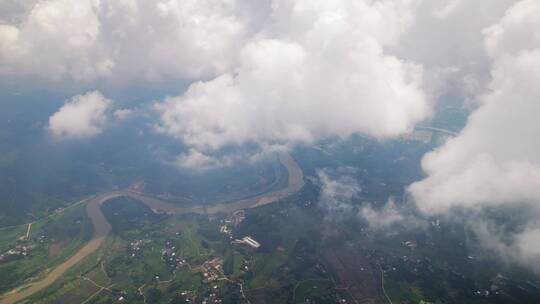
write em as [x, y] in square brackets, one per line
[102, 227]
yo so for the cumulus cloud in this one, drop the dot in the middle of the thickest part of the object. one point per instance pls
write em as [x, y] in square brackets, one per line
[92, 39]
[167, 39]
[354, 66]
[201, 162]
[520, 245]
[495, 160]
[446, 37]
[338, 190]
[56, 38]
[528, 250]
[11, 11]
[82, 116]
[382, 218]
[340, 198]
[123, 114]
[316, 69]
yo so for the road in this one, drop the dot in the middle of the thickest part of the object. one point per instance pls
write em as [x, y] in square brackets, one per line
[102, 227]
[382, 284]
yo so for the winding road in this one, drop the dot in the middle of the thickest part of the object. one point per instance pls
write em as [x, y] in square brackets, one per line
[102, 227]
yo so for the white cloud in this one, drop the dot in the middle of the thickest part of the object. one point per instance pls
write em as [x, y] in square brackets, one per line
[56, 38]
[12, 11]
[356, 66]
[123, 114]
[521, 246]
[122, 40]
[317, 69]
[340, 198]
[338, 190]
[129, 40]
[382, 218]
[447, 9]
[495, 161]
[445, 36]
[82, 116]
[527, 247]
[201, 162]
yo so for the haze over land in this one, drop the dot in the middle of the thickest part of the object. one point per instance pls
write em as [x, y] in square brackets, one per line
[400, 113]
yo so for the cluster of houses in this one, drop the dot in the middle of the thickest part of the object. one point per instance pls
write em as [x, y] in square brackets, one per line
[19, 251]
[22, 249]
[173, 260]
[228, 224]
[136, 246]
[213, 297]
[212, 269]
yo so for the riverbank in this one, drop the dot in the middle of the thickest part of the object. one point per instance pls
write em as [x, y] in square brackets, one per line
[102, 227]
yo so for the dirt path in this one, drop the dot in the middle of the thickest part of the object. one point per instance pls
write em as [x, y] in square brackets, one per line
[102, 227]
[28, 230]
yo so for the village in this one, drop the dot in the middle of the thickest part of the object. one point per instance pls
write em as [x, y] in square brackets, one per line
[23, 248]
[211, 270]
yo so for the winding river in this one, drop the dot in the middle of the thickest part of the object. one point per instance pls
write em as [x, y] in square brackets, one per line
[102, 227]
